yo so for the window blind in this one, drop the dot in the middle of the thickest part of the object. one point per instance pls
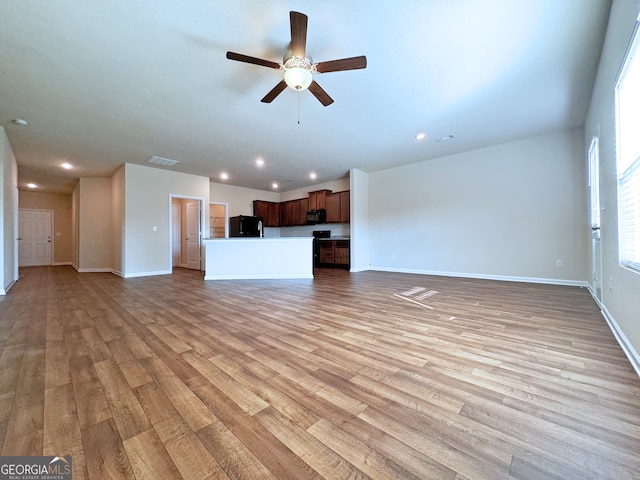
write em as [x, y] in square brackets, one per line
[628, 160]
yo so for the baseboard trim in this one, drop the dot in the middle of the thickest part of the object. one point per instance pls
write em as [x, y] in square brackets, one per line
[4, 291]
[359, 269]
[621, 338]
[502, 278]
[146, 274]
[94, 270]
[285, 276]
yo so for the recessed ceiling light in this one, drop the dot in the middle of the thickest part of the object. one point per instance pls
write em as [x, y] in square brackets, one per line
[32, 185]
[420, 136]
[312, 175]
[224, 176]
[66, 166]
[446, 138]
[274, 185]
[259, 162]
[21, 122]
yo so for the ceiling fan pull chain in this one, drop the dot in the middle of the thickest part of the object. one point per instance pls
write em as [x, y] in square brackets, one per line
[298, 107]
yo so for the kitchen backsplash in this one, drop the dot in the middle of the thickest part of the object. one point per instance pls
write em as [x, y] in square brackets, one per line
[337, 230]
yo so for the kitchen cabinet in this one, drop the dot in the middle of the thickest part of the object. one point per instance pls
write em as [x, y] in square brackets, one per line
[334, 253]
[294, 212]
[269, 211]
[318, 199]
[286, 214]
[303, 209]
[274, 214]
[338, 205]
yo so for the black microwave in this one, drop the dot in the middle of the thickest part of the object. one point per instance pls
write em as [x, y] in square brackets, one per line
[317, 216]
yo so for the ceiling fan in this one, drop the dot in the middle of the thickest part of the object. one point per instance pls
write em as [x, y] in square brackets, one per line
[298, 66]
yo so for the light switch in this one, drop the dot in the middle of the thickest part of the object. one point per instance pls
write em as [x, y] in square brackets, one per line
[155, 228]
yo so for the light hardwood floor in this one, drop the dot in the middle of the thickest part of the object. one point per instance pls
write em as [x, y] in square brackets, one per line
[367, 375]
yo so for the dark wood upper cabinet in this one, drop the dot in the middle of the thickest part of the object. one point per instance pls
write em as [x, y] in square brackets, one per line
[293, 213]
[317, 199]
[333, 208]
[269, 211]
[345, 207]
[338, 207]
[304, 208]
[274, 214]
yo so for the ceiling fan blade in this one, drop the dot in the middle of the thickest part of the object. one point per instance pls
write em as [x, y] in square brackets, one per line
[352, 63]
[275, 91]
[253, 60]
[298, 34]
[320, 94]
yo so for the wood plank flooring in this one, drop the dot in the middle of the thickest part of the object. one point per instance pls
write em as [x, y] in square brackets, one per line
[365, 375]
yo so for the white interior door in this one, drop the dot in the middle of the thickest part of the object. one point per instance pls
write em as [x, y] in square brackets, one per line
[34, 237]
[193, 234]
[596, 239]
[176, 235]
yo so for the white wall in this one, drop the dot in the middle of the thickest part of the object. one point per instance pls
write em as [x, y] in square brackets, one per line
[75, 227]
[621, 287]
[509, 211]
[339, 185]
[148, 194]
[94, 225]
[239, 200]
[117, 221]
[359, 221]
[8, 214]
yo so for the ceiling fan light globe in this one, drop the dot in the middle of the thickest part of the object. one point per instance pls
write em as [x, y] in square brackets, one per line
[298, 78]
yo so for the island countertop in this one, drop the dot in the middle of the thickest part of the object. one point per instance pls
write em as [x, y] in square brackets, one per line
[258, 258]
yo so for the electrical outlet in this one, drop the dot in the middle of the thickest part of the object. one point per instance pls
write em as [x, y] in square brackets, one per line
[610, 284]
[393, 256]
[559, 263]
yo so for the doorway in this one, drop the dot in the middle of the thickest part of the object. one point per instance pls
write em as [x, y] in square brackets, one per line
[186, 232]
[34, 237]
[596, 239]
[218, 220]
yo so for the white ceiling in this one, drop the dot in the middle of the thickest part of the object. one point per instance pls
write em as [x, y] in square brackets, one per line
[105, 82]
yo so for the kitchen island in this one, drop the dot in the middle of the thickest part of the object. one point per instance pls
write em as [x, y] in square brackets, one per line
[258, 258]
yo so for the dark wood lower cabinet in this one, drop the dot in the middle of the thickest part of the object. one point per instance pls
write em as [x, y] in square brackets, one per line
[334, 253]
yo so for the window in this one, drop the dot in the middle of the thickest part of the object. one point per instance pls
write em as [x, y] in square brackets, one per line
[628, 152]
[594, 182]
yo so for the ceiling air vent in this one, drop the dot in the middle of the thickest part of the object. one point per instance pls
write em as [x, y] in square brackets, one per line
[165, 162]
